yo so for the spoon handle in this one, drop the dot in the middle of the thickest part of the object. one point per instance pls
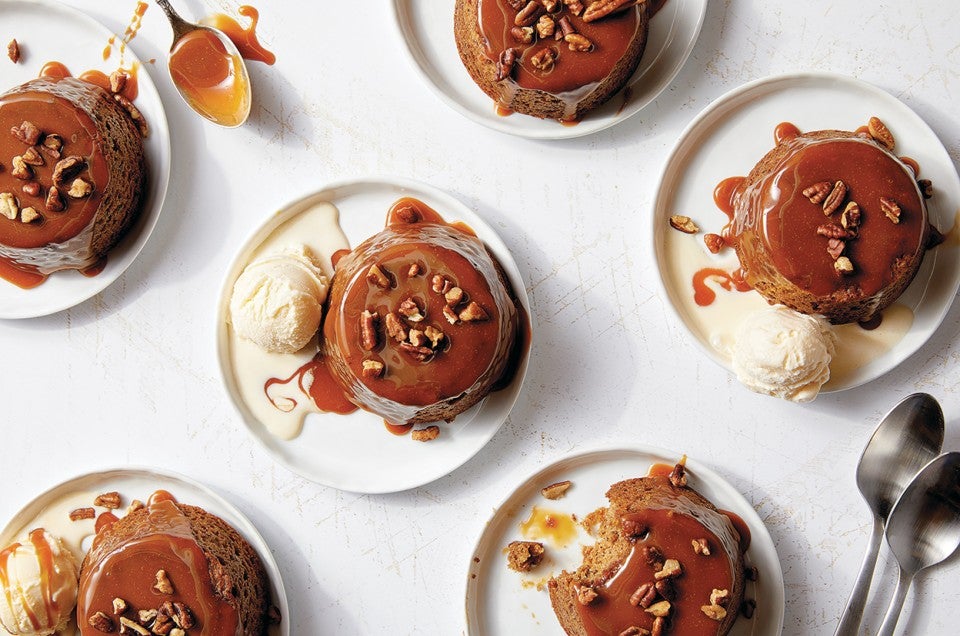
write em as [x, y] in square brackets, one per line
[180, 26]
[893, 611]
[852, 615]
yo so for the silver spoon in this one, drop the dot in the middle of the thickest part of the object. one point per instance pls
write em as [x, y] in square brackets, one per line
[924, 527]
[908, 437]
[215, 85]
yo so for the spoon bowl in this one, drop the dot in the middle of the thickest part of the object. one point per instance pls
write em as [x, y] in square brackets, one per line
[908, 437]
[208, 71]
[924, 527]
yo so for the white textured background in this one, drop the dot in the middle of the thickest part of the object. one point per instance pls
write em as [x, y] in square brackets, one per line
[130, 377]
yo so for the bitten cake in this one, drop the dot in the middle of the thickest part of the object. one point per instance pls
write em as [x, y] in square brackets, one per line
[830, 222]
[421, 323]
[548, 58]
[665, 561]
[171, 565]
[72, 176]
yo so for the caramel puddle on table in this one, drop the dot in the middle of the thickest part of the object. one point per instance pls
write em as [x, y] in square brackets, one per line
[318, 228]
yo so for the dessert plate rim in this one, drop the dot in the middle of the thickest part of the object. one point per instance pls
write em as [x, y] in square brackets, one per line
[502, 526]
[386, 473]
[453, 85]
[690, 143]
[201, 495]
[66, 289]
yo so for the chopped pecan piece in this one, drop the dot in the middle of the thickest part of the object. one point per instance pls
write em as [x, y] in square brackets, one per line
[719, 597]
[450, 315]
[147, 616]
[551, 5]
[578, 42]
[644, 596]
[678, 476]
[660, 609]
[546, 26]
[556, 490]
[666, 589]
[528, 15]
[13, 51]
[879, 131]
[926, 188]
[473, 313]
[182, 616]
[82, 513]
[395, 328]
[835, 248]
[27, 132]
[684, 224]
[835, 199]
[434, 335]
[372, 368]
[32, 157]
[670, 570]
[427, 434]
[523, 556]
[163, 584]
[890, 209]
[850, 217]
[410, 310]
[417, 338]
[32, 188]
[505, 65]
[633, 630]
[9, 207]
[748, 607]
[714, 242]
[659, 626]
[843, 265]
[634, 529]
[714, 612]
[751, 573]
[817, 192]
[128, 626]
[20, 169]
[119, 606]
[586, 595]
[134, 113]
[602, 8]
[701, 546]
[413, 270]
[53, 202]
[516, 5]
[368, 330]
[376, 276]
[566, 27]
[420, 353]
[653, 556]
[406, 214]
[102, 623]
[52, 145]
[135, 505]
[118, 81]
[523, 35]
[834, 231]
[543, 59]
[437, 283]
[109, 500]
[575, 6]
[67, 168]
[454, 296]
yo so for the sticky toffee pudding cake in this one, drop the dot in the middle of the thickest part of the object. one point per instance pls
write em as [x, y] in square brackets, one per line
[551, 58]
[421, 323]
[665, 561]
[171, 565]
[71, 180]
[830, 222]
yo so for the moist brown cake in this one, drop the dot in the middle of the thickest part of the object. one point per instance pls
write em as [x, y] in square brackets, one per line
[645, 536]
[209, 571]
[421, 323]
[72, 178]
[557, 63]
[797, 240]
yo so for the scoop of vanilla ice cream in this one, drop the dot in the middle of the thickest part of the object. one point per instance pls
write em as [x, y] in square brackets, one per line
[38, 585]
[278, 300]
[783, 353]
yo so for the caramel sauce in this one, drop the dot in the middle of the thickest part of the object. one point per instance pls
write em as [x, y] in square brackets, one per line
[660, 469]
[784, 131]
[55, 70]
[128, 570]
[159, 496]
[724, 193]
[704, 296]
[210, 78]
[133, 27]
[96, 268]
[313, 379]
[131, 88]
[398, 429]
[105, 520]
[502, 110]
[672, 533]
[558, 528]
[741, 527]
[245, 39]
[20, 277]
[912, 164]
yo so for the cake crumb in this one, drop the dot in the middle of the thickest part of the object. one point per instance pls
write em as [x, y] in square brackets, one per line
[425, 434]
[523, 556]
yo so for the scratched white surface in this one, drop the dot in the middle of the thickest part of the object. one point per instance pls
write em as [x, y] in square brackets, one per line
[129, 377]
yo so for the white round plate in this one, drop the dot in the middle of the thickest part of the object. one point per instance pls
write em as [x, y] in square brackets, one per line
[51, 510]
[426, 27]
[727, 139]
[52, 31]
[500, 601]
[355, 452]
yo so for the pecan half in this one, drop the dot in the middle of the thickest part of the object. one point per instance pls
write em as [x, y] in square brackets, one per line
[890, 209]
[109, 500]
[543, 59]
[602, 8]
[439, 284]
[684, 224]
[419, 353]
[644, 596]
[52, 145]
[817, 192]
[505, 65]
[147, 616]
[633, 630]
[529, 14]
[82, 513]
[182, 616]
[426, 434]
[653, 556]
[835, 199]
[368, 330]
[546, 26]
[879, 131]
[556, 490]
[413, 270]
[417, 338]
[833, 231]
[566, 26]
[551, 5]
[13, 51]
[450, 315]
[666, 589]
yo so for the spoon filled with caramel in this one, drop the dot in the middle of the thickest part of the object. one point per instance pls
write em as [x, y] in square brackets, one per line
[209, 72]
